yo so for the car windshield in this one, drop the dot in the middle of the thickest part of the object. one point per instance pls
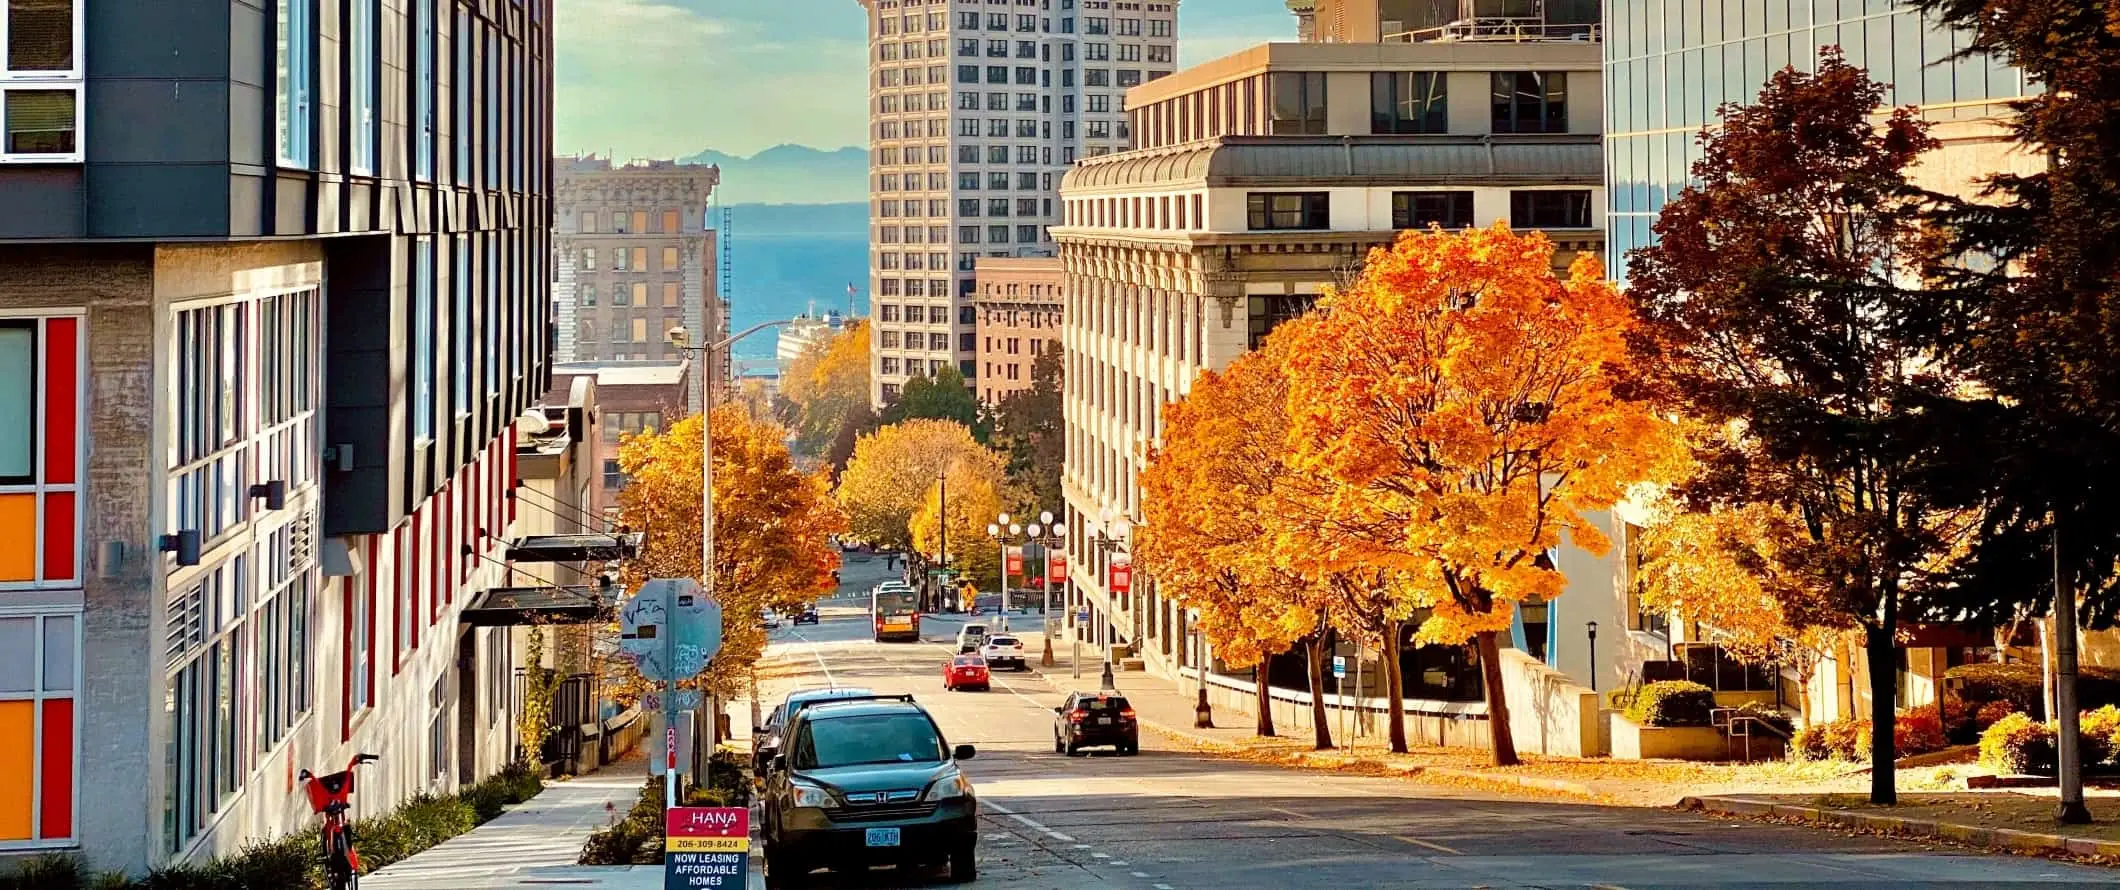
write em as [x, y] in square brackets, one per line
[970, 662]
[1001, 641]
[901, 737]
[1113, 703]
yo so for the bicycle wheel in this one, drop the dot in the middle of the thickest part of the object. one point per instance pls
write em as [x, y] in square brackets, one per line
[338, 860]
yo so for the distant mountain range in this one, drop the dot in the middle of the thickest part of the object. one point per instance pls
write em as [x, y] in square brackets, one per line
[790, 174]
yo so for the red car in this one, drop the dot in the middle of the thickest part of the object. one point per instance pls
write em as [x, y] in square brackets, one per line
[965, 672]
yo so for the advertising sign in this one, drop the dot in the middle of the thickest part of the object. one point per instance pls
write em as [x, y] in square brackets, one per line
[707, 848]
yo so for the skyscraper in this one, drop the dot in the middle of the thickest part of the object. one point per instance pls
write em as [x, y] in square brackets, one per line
[976, 109]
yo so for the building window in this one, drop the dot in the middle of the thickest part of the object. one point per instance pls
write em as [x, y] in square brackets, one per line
[460, 286]
[41, 374]
[422, 354]
[1287, 210]
[1298, 103]
[1530, 102]
[39, 663]
[1408, 102]
[295, 45]
[640, 293]
[491, 318]
[1550, 209]
[671, 222]
[360, 88]
[40, 80]
[669, 295]
[1419, 210]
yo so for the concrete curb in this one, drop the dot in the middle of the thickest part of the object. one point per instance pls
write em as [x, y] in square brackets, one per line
[1901, 826]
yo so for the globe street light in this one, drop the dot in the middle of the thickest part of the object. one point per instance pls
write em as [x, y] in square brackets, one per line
[1048, 534]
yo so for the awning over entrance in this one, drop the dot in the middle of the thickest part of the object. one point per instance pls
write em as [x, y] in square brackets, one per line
[575, 548]
[513, 606]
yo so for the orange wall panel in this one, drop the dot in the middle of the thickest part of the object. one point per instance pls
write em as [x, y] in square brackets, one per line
[18, 537]
[18, 775]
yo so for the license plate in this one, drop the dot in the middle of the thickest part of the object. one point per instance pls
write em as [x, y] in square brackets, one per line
[883, 837]
[1104, 721]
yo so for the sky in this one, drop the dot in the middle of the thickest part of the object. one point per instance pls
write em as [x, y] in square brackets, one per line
[665, 78]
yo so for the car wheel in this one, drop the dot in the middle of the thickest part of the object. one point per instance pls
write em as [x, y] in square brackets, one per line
[1059, 747]
[1129, 749]
[1072, 750]
[964, 863]
[780, 873]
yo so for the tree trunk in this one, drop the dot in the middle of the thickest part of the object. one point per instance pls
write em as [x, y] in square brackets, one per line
[1497, 704]
[1321, 728]
[1265, 693]
[1879, 647]
[1394, 688]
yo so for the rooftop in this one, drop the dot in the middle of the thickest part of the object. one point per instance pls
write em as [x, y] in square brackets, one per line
[1349, 161]
[1551, 55]
[645, 373]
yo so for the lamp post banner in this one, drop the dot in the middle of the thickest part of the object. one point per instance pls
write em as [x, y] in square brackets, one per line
[1015, 560]
[1122, 577]
[1056, 567]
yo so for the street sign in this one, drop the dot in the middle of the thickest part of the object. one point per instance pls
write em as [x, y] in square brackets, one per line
[1122, 577]
[941, 573]
[1339, 667]
[666, 746]
[1056, 567]
[706, 848]
[1082, 615]
[687, 700]
[669, 606]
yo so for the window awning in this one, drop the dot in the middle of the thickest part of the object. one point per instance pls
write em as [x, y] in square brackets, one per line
[514, 606]
[575, 548]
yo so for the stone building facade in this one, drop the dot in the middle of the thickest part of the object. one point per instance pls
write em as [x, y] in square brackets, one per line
[1260, 178]
[634, 259]
[269, 309]
[1019, 304]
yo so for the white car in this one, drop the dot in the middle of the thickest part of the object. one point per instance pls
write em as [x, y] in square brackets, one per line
[1004, 651]
[769, 619]
[970, 638]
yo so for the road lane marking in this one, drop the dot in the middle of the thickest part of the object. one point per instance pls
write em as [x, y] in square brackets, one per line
[817, 652]
[1429, 844]
[1288, 812]
[1161, 886]
[1138, 874]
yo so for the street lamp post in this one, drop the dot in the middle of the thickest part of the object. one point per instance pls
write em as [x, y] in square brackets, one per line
[1054, 533]
[1002, 532]
[1108, 543]
[681, 339]
[1592, 627]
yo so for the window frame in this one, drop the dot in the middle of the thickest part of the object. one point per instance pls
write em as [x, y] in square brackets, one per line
[294, 93]
[1390, 94]
[361, 87]
[1315, 211]
[1404, 208]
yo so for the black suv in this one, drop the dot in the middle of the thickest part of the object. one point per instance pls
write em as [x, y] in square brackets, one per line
[871, 782]
[1095, 718]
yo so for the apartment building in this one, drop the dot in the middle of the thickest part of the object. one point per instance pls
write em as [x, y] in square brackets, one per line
[1670, 65]
[1257, 179]
[633, 259]
[1018, 305]
[273, 292]
[1422, 21]
[976, 110]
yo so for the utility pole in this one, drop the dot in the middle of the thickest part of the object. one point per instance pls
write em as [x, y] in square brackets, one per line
[2069, 745]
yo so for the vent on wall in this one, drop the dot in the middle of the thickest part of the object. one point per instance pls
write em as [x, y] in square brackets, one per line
[301, 541]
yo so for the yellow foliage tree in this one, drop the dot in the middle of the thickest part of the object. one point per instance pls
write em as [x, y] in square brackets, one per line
[976, 492]
[772, 525]
[892, 470]
[829, 385]
[1208, 498]
[1460, 397]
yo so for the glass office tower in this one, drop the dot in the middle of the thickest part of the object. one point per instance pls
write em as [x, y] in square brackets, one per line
[1670, 63]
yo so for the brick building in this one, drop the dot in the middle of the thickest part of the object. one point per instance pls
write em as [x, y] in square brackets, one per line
[633, 259]
[631, 397]
[273, 292]
[1018, 301]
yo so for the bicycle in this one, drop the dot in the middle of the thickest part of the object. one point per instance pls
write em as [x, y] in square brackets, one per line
[329, 796]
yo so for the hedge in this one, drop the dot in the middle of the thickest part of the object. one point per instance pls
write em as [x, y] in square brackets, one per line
[293, 862]
[2018, 745]
[636, 838]
[2024, 689]
[1672, 703]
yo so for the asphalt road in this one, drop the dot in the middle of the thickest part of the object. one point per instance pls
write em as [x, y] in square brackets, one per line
[1171, 819]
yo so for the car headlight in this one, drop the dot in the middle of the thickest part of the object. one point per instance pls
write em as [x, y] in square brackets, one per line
[950, 787]
[811, 795]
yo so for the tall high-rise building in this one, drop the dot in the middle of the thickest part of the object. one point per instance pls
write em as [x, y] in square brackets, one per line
[976, 109]
[634, 258]
[273, 296]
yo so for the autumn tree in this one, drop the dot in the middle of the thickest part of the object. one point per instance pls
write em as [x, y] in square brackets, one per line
[772, 525]
[1775, 306]
[891, 471]
[828, 386]
[1208, 496]
[970, 493]
[1462, 397]
[2032, 258]
[1029, 428]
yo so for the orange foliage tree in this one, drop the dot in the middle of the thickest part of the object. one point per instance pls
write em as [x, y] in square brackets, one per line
[1208, 498]
[1460, 396]
[772, 525]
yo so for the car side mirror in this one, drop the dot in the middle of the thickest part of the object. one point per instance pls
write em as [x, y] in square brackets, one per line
[1059, 709]
[780, 762]
[965, 752]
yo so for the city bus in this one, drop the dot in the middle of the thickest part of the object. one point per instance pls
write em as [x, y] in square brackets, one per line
[895, 610]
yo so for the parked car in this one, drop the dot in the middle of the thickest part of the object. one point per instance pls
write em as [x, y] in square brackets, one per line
[765, 740]
[768, 619]
[970, 638]
[966, 672]
[1092, 719]
[808, 615]
[1004, 651]
[868, 783]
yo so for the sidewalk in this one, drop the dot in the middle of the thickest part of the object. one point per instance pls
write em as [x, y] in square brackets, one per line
[536, 842]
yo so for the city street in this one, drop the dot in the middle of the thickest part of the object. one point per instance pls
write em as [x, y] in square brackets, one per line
[1177, 819]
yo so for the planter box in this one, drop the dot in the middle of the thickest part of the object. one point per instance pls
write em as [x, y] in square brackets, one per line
[1633, 742]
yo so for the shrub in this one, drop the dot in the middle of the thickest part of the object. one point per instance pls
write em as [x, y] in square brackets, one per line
[1846, 739]
[626, 842]
[1672, 703]
[1990, 713]
[2100, 733]
[1917, 731]
[2016, 744]
[2022, 686]
[40, 872]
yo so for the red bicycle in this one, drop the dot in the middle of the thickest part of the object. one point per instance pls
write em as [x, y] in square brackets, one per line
[329, 795]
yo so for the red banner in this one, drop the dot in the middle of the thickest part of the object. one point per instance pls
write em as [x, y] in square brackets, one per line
[1122, 578]
[1056, 567]
[1015, 560]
